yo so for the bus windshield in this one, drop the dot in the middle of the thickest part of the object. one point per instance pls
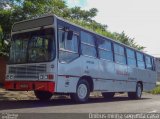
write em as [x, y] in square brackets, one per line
[33, 47]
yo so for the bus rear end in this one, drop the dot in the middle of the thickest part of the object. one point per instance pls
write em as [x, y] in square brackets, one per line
[32, 59]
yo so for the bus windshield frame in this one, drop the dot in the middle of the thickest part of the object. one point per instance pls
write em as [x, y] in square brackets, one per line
[33, 47]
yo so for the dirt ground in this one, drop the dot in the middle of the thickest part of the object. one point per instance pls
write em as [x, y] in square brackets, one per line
[29, 95]
[16, 95]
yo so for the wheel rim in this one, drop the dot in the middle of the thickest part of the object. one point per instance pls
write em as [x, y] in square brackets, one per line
[82, 91]
[139, 91]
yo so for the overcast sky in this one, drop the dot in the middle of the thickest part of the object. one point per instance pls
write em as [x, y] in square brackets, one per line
[139, 19]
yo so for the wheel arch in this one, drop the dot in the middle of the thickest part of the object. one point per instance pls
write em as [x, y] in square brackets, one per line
[140, 83]
[89, 79]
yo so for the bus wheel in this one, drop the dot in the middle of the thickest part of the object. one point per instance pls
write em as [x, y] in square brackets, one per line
[82, 92]
[108, 95]
[137, 94]
[43, 95]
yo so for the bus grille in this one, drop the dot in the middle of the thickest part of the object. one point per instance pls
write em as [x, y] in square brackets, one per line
[27, 71]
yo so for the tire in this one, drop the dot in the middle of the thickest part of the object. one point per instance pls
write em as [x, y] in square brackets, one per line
[137, 94]
[82, 92]
[43, 95]
[108, 95]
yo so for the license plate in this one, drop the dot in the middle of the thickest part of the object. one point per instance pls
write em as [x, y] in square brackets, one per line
[24, 86]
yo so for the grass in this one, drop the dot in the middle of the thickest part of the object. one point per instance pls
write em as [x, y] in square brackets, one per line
[156, 90]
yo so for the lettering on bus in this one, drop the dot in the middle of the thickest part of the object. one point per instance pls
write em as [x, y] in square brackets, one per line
[90, 62]
[121, 72]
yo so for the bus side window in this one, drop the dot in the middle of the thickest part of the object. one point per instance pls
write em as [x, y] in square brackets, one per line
[119, 54]
[131, 58]
[148, 62]
[153, 64]
[140, 60]
[68, 49]
[105, 49]
[88, 46]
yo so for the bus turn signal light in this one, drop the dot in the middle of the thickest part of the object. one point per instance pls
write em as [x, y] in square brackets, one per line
[50, 76]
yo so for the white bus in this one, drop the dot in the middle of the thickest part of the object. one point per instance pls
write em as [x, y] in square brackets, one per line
[50, 55]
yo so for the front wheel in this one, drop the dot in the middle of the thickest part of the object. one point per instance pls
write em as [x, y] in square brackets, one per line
[43, 95]
[82, 92]
[137, 94]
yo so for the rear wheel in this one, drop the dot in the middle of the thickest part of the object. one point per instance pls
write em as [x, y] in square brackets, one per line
[82, 92]
[43, 95]
[137, 94]
[108, 95]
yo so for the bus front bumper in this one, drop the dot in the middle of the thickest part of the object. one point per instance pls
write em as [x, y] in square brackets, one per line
[30, 85]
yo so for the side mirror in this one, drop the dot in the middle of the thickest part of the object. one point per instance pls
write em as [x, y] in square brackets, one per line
[69, 35]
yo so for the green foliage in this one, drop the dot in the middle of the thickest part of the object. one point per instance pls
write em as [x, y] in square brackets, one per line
[77, 13]
[101, 29]
[156, 90]
[4, 48]
[27, 9]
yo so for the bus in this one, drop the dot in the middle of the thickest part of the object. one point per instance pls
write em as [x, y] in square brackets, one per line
[49, 55]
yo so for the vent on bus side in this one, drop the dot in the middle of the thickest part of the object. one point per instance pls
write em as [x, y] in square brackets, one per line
[27, 71]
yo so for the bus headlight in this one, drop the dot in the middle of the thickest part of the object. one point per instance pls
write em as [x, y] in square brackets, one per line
[10, 76]
[46, 76]
[40, 76]
[7, 76]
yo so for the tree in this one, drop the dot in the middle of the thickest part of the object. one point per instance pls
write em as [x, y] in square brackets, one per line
[4, 47]
[122, 37]
[26, 9]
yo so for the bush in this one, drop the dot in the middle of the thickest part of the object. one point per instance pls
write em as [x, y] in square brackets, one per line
[156, 90]
[4, 47]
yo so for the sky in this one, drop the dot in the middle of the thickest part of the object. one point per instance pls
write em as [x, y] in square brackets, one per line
[139, 19]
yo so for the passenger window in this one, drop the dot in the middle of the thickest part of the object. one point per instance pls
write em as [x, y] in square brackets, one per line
[104, 44]
[104, 49]
[131, 59]
[119, 54]
[153, 64]
[140, 60]
[88, 50]
[108, 55]
[140, 57]
[130, 53]
[88, 44]
[87, 38]
[68, 49]
[148, 62]
[71, 45]
[118, 49]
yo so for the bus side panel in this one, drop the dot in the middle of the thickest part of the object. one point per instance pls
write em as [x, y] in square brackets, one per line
[107, 69]
[150, 82]
[116, 86]
[123, 73]
[70, 73]
[90, 67]
[148, 78]
[66, 84]
[114, 77]
[148, 86]
[107, 76]
[68, 76]
[132, 79]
